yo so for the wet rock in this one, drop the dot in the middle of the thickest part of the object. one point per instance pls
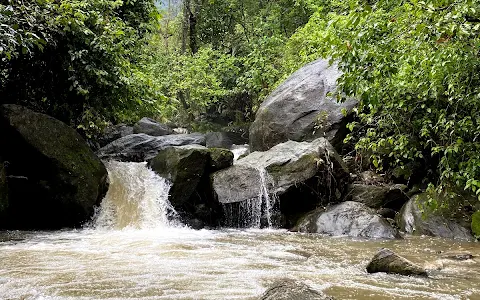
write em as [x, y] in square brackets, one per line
[151, 127]
[225, 139]
[300, 173]
[219, 159]
[113, 133]
[287, 289]
[458, 256]
[188, 168]
[376, 196]
[387, 213]
[142, 147]
[54, 178]
[411, 220]
[302, 109]
[183, 166]
[286, 164]
[389, 262]
[348, 218]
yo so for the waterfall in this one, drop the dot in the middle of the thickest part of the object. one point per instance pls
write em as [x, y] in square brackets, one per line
[253, 213]
[136, 198]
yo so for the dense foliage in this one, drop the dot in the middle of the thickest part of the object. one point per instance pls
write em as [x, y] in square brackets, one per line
[77, 59]
[415, 67]
[216, 60]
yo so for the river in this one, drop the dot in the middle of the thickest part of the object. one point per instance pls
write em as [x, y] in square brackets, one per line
[165, 260]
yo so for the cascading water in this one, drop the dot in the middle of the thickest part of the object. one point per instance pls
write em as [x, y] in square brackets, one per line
[136, 198]
[253, 213]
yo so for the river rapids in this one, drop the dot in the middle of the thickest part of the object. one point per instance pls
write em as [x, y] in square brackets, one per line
[134, 249]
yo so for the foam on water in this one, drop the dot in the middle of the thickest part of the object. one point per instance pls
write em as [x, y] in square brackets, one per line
[136, 198]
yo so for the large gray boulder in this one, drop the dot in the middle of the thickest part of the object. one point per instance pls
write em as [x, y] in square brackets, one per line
[54, 178]
[151, 127]
[302, 109]
[379, 195]
[142, 147]
[287, 289]
[387, 261]
[347, 218]
[113, 133]
[413, 220]
[286, 165]
[299, 174]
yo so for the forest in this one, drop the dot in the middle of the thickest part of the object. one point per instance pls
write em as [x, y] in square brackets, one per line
[412, 65]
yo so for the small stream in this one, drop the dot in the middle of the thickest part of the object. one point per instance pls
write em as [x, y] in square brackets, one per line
[135, 250]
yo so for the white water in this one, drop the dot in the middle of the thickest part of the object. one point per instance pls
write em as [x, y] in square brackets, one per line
[133, 255]
[254, 213]
[136, 198]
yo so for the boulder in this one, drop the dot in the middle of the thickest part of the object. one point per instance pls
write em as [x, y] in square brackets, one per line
[3, 188]
[302, 108]
[376, 196]
[389, 262]
[287, 289]
[183, 166]
[54, 178]
[411, 220]
[348, 218]
[142, 147]
[220, 159]
[186, 167]
[287, 164]
[301, 174]
[113, 133]
[151, 127]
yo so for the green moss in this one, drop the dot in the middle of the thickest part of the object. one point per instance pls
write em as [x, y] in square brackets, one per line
[476, 224]
[220, 158]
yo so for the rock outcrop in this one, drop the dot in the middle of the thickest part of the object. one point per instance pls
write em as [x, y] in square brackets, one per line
[142, 147]
[54, 178]
[389, 262]
[347, 218]
[186, 167]
[302, 109]
[301, 174]
[113, 133]
[380, 195]
[287, 289]
[151, 127]
[412, 220]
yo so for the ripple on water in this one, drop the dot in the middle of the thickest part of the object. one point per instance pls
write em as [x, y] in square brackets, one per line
[179, 263]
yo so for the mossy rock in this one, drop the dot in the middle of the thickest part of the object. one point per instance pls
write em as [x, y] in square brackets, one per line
[220, 158]
[476, 224]
[389, 262]
[417, 219]
[184, 166]
[54, 178]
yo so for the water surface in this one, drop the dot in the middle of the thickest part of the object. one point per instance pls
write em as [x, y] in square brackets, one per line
[180, 263]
